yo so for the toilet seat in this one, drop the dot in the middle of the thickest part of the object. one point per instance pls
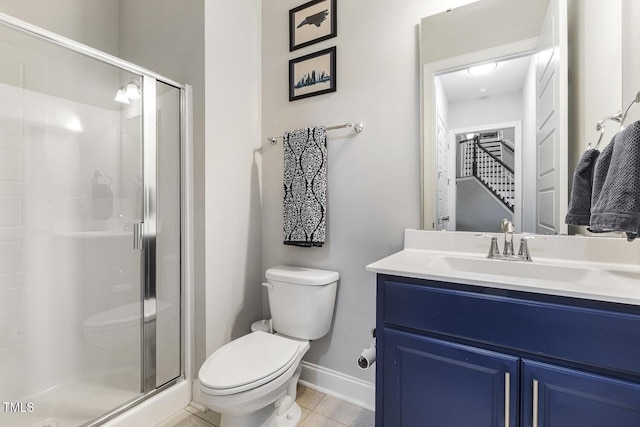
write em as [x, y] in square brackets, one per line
[248, 362]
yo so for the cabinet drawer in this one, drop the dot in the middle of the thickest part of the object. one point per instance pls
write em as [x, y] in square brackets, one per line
[603, 338]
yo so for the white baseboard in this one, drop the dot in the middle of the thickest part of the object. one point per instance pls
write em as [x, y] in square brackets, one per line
[337, 384]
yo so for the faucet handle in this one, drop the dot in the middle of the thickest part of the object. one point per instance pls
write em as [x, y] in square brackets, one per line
[494, 252]
[523, 252]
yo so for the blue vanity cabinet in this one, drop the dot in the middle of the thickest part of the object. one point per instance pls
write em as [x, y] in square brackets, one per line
[430, 382]
[452, 355]
[566, 397]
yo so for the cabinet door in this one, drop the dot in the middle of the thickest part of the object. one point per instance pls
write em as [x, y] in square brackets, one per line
[561, 397]
[429, 382]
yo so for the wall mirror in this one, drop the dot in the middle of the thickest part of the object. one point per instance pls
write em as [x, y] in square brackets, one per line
[507, 109]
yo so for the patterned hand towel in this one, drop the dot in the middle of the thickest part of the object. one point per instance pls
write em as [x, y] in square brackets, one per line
[617, 206]
[579, 211]
[305, 187]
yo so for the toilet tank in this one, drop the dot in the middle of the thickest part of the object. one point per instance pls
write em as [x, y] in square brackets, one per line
[301, 300]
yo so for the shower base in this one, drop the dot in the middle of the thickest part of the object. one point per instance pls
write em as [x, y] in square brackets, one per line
[75, 403]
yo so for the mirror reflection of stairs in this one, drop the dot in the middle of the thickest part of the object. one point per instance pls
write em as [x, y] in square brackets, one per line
[483, 158]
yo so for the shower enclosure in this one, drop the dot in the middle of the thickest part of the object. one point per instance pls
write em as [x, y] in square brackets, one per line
[92, 161]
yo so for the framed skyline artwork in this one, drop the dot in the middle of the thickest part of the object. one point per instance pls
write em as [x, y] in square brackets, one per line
[311, 23]
[312, 74]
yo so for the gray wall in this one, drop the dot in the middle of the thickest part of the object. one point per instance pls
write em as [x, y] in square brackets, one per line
[476, 209]
[94, 23]
[233, 163]
[373, 178]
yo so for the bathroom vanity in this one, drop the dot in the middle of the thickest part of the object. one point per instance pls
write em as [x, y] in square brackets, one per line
[555, 342]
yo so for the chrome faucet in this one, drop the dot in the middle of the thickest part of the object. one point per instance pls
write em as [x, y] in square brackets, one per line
[508, 229]
[508, 254]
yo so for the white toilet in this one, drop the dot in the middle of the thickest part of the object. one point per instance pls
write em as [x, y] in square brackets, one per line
[252, 380]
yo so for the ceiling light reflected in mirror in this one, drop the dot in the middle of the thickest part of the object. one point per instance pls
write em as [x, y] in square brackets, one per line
[478, 70]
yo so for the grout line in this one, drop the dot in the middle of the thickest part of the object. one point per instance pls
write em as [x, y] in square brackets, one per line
[315, 406]
[332, 419]
[319, 401]
[197, 413]
[203, 419]
[304, 417]
[197, 405]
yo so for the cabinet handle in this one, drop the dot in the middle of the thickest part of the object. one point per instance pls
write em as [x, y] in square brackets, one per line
[534, 422]
[507, 398]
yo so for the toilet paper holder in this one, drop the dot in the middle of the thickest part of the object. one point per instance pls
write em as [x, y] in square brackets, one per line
[368, 355]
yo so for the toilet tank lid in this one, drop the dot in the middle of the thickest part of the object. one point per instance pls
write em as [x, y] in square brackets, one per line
[301, 275]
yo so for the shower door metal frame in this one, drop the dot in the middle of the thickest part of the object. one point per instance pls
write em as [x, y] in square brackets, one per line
[149, 226]
[149, 233]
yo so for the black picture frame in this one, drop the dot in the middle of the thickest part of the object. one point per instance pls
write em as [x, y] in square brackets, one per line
[313, 74]
[312, 22]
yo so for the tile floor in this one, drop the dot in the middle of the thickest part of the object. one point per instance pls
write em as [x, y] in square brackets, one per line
[318, 410]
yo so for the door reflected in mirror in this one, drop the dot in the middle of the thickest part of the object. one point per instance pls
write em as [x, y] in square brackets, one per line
[481, 173]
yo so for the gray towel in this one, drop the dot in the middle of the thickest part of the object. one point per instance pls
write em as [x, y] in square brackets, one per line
[579, 211]
[305, 187]
[601, 170]
[616, 207]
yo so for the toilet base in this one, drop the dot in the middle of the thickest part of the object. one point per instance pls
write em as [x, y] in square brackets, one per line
[268, 405]
[291, 418]
[265, 417]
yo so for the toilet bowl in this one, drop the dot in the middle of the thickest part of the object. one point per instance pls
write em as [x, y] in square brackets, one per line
[253, 373]
[252, 380]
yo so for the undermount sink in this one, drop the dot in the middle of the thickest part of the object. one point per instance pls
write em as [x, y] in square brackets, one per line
[600, 269]
[528, 270]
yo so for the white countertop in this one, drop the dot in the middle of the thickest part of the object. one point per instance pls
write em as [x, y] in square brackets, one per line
[617, 282]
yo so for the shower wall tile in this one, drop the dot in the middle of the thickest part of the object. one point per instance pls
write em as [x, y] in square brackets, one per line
[11, 331]
[11, 302]
[10, 211]
[10, 257]
[11, 166]
[11, 188]
[11, 118]
[10, 280]
[11, 234]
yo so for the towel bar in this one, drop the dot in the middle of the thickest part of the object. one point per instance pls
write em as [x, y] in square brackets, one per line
[619, 117]
[357, 128]
[636, 100]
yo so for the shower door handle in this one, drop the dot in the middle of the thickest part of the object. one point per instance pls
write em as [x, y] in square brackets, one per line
[137, 235]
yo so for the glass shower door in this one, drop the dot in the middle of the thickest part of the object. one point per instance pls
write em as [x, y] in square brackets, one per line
[71, 192]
